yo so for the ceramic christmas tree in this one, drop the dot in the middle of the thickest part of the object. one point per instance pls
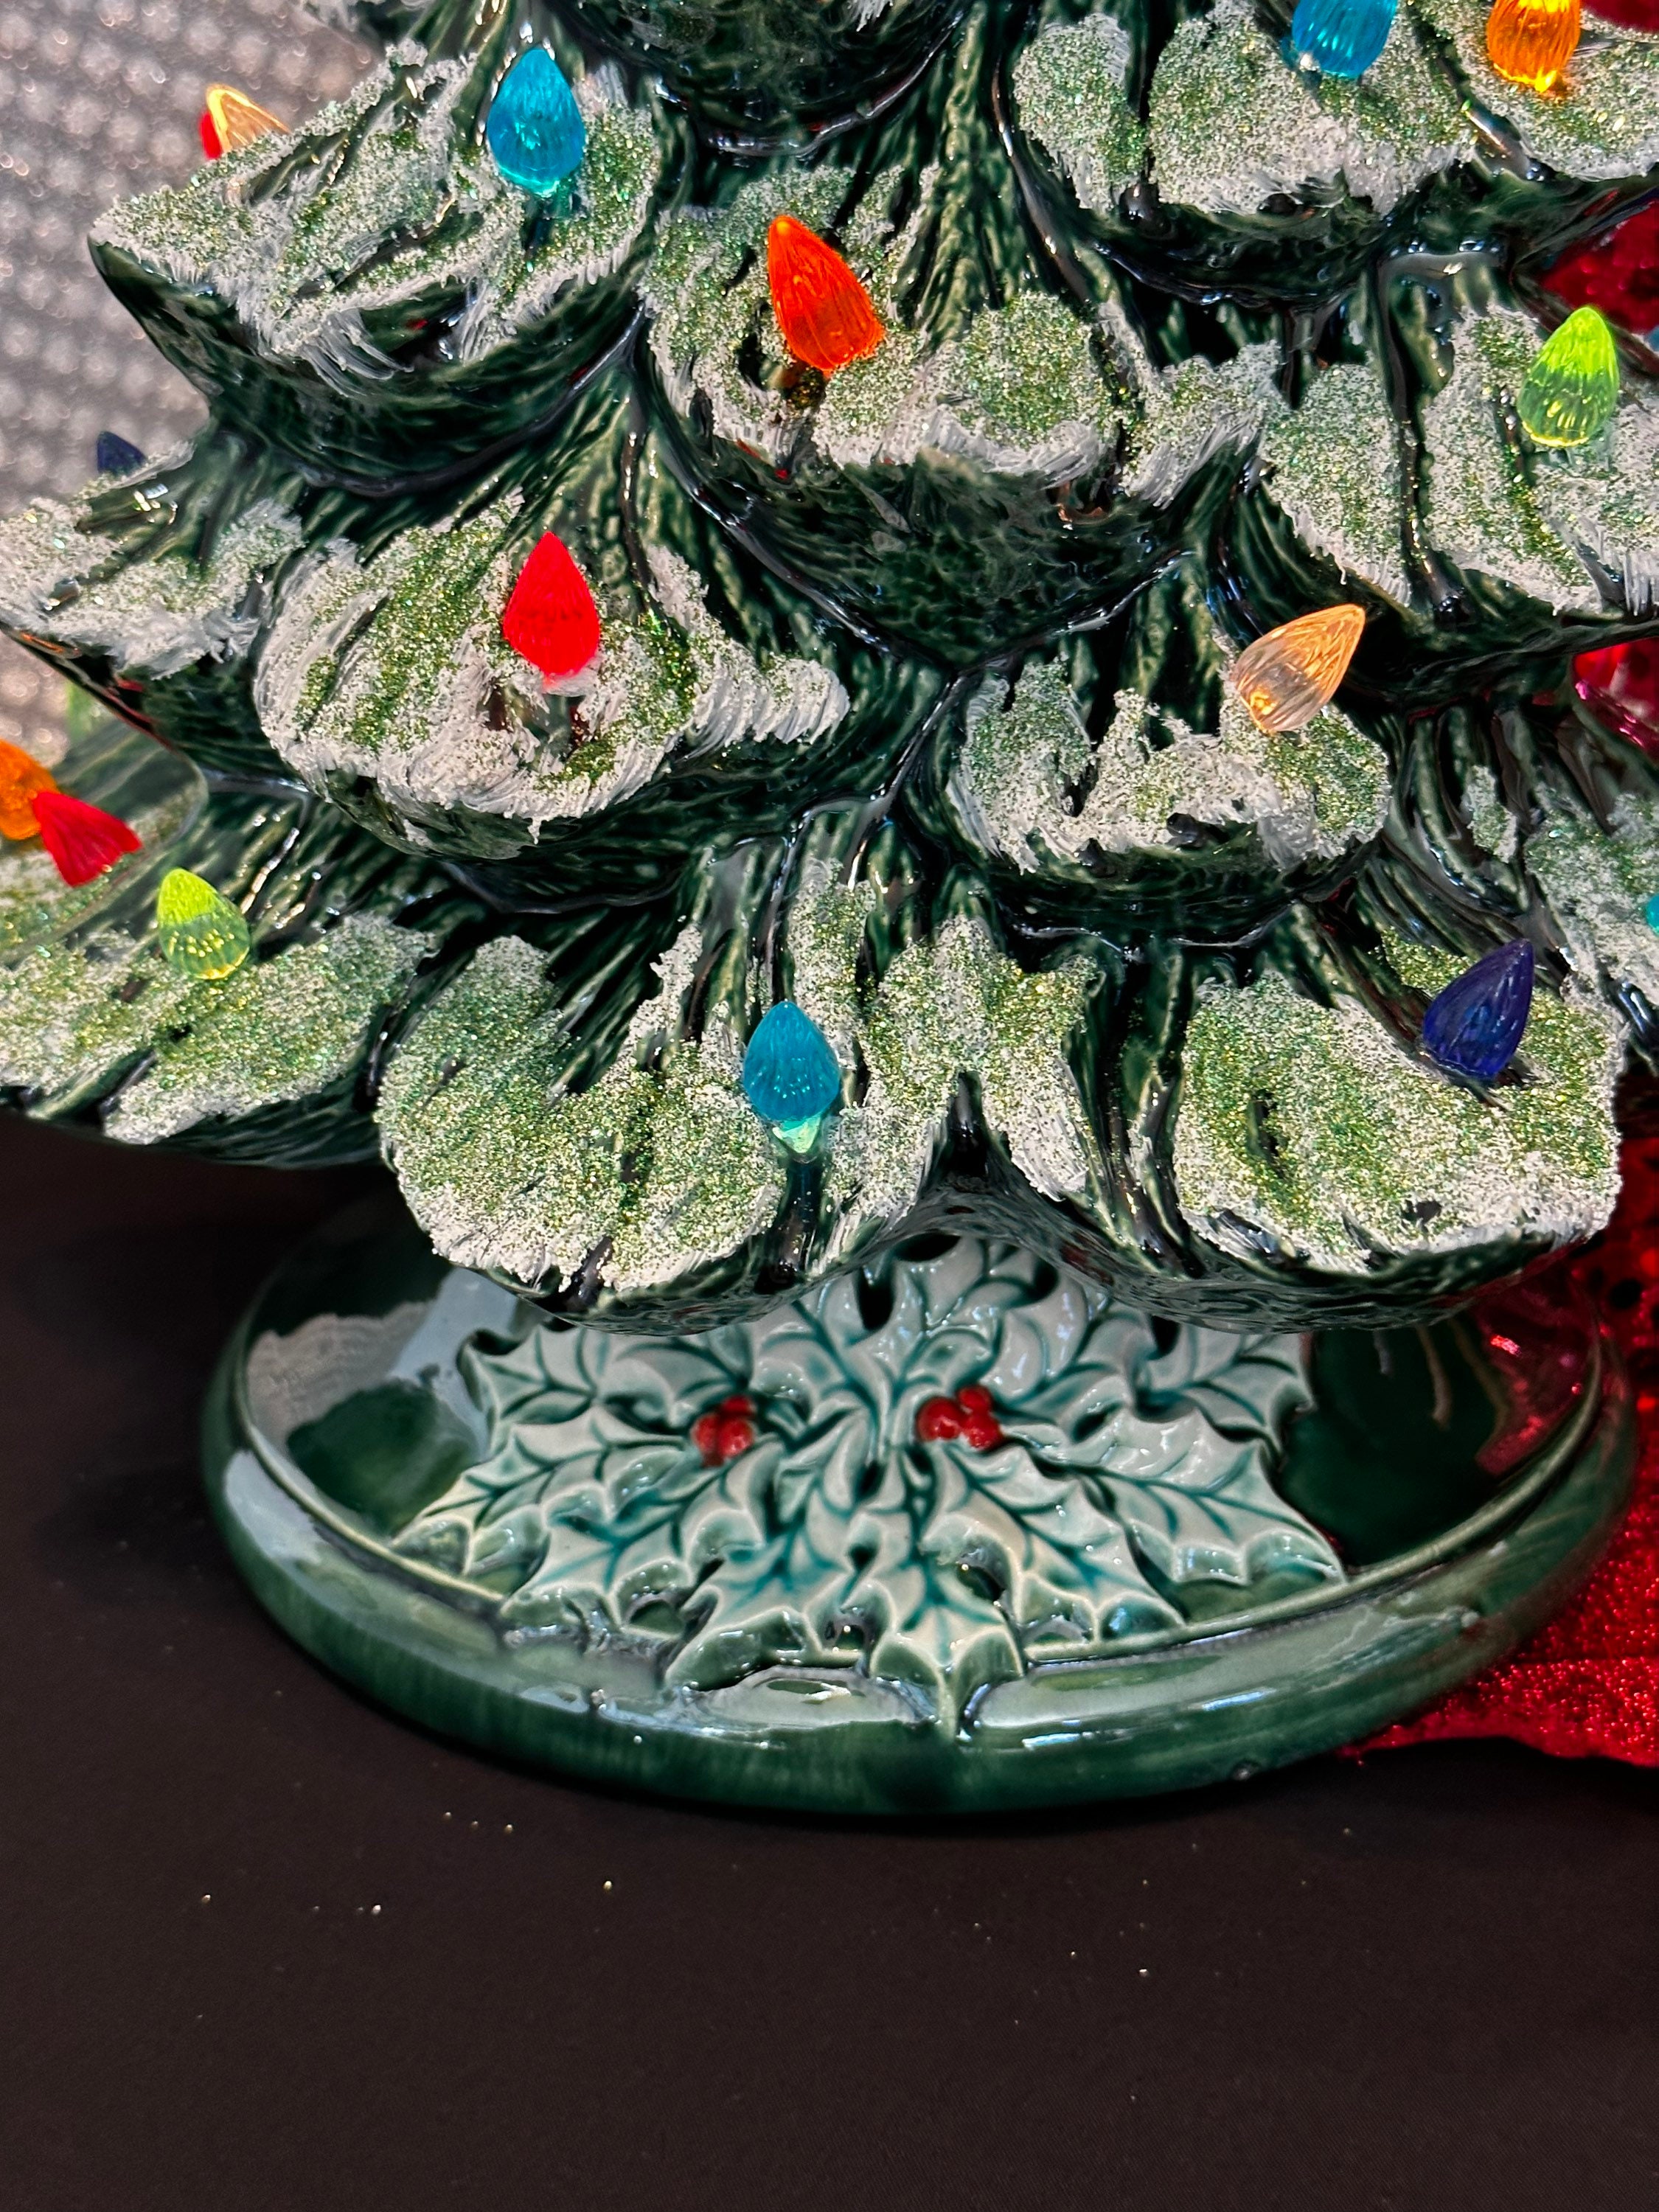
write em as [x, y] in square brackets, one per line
[938, 712]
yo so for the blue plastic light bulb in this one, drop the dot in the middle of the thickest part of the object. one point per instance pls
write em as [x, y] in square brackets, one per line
[116, 456]
[1650, 912]
[1340, 38]
[790, 1076]
[535, 128]
[1475, 1025]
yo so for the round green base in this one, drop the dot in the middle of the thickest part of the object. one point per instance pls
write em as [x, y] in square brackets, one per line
[1269, 1674]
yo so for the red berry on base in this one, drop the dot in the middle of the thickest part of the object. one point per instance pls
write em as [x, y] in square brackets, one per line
[974, 1398]
[937, 1420]
[706, 1435]
[725, 1433]
[82, 840]
[982, 1431]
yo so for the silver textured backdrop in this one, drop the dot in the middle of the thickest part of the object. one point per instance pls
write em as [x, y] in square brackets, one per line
[100, 98]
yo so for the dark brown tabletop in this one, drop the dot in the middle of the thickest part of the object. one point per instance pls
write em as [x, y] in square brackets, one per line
[268, 1948]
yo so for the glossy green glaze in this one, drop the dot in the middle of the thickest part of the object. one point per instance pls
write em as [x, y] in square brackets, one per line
[913, 704]
[1171, 1567]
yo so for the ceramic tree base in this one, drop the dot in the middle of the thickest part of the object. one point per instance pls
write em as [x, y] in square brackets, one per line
[959, 1534]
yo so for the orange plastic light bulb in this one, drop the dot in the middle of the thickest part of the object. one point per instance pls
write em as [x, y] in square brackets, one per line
[824, 315]
[1286, 677]
[83, 840]
[233, 120]
[549, 617]
[20, 776]
[1531, 41]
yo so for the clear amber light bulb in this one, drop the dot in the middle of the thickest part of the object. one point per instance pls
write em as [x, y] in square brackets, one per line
[1531, 41]
[1289, 674]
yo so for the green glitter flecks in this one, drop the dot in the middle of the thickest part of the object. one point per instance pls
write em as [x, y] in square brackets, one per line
[1310, 1126]
[1605, 122]
[1019, 394]
[1018, 761]
[1068, 85]
[619, 175]
[1025, 370]
[827, 925]
[951, 1007]
[1230, 124]
[153, 616]
[650, 1172]
[1018, 391]
[355, 674]
[392, 208]
[1598, 885]
[706, 292]
[272, 1033]
[1310, 794]
[1604, 499]
[1333, 466]
[463, 1110]
[1482, 509]
[391, 669]
[72, 1022]
[1193, 411]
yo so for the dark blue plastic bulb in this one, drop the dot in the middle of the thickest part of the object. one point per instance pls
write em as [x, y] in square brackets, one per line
[790, 1075]
[1340, 38]
[535, 128]
[116, 456]
[1476, 1025]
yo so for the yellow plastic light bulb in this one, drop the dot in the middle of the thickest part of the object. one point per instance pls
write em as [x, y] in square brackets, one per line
[1572, 390]
[202, 935]
[238, 120]
[1286, 677]
[1531, 41]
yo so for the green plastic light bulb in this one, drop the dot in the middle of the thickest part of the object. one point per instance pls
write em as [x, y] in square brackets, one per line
[1572, 386]
[202, 935]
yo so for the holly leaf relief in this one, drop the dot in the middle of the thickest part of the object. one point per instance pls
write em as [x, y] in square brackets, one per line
[1129, 1488]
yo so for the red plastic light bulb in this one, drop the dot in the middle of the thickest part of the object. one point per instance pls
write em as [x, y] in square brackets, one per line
[1619, 685]
[211, 145]
[549, 618]
[83, 840]
[824, 315]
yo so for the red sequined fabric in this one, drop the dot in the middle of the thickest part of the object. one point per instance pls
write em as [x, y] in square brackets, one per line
[1589, 1682]
[1634, 14]
[1619, 685]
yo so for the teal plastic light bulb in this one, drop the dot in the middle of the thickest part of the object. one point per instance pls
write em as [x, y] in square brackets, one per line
[535, 128]
[790, 1076]
[1340, 38]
